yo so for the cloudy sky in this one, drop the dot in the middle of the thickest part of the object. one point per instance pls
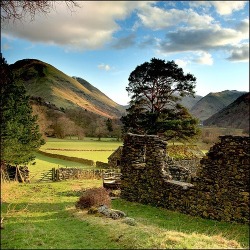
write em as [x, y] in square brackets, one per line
[104, 41]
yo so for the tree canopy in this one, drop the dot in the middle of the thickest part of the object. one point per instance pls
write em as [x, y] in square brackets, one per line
[155, 88]
[19, 132]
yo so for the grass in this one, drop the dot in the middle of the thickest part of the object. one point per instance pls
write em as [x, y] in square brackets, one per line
[89, 148]
[45, 163]
[43, 216]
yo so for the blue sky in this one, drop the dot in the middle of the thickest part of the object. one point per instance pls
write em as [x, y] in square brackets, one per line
[104, 41]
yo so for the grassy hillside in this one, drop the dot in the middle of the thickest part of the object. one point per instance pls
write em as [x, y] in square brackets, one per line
[45, 81]
[213, 103]
[235, 115]
[189, 101]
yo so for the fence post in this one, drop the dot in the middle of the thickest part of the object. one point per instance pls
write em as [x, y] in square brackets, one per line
[53, 174]
[57, 175]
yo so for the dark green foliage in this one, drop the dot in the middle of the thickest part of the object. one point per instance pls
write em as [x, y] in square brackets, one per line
[94, 197]
[20, 135]
[156, 86]
[109, 125]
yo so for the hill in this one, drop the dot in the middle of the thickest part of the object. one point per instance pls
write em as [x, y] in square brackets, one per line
[43, 80]
[213, 103]
[189, 102]
[235, 115]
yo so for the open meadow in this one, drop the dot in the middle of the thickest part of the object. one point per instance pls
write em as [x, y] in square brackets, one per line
[43, 216]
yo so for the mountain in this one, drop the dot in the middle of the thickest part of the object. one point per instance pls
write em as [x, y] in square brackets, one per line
[189, 101]
[235, 115]
[43, 80]
[213, 103]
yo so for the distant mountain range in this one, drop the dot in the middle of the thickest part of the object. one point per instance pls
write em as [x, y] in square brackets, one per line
[54, 87]
[235, 115]
[213, 103]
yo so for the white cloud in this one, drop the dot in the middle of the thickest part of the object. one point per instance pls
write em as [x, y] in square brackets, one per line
[243, 27]
[203, 58]
[104, 67]
[240, 53]
[89, 27]
[156, 18]
[228, 7]
[221, 7]
[124, 42]
[181, 63]
[203, 39]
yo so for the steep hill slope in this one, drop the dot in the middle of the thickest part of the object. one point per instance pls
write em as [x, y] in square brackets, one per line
[45, 81]
[213, 103]
[189, 101]
[235, 115]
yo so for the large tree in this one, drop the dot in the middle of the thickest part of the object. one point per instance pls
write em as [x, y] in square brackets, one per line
[155, 88]
[19, 132]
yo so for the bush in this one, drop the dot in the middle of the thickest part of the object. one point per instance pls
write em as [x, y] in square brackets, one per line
[94, 197]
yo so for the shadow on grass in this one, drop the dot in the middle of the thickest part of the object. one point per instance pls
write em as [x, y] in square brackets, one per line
[60, 162]
[31, 207]
[176, 221]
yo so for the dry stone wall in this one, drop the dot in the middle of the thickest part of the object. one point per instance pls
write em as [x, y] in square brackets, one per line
[219, 191]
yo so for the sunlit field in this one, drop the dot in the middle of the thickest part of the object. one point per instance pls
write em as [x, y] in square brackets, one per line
[89, 148]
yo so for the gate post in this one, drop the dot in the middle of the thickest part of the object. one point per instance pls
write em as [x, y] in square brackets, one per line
[57, 175]
[53, 174]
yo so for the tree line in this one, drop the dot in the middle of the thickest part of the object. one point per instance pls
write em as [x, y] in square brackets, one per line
[72, 122]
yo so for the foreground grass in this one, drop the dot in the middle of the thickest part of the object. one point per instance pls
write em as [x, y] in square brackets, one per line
[43, 216]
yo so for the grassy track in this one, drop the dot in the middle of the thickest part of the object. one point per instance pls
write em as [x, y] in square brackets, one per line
[43, 216]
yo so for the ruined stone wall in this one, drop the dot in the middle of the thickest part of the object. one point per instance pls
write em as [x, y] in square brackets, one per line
[222, 183]
[114, 160]
[179, 170]
[191, 164]
[220, 190]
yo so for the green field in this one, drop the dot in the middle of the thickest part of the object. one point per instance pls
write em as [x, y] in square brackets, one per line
[44, 163]
[89, 148]
[43, 216]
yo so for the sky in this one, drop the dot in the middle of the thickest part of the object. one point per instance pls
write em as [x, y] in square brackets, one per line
[104, 41]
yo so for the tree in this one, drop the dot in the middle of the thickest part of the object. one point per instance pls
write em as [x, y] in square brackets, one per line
[109, 125]
[19, 132]
[18, 10]
[100, 128]
[156, 87]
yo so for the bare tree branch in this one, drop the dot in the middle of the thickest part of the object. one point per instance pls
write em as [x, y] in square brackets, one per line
[18, 10]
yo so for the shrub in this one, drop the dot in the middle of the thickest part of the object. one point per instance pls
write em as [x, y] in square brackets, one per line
[94, 197]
